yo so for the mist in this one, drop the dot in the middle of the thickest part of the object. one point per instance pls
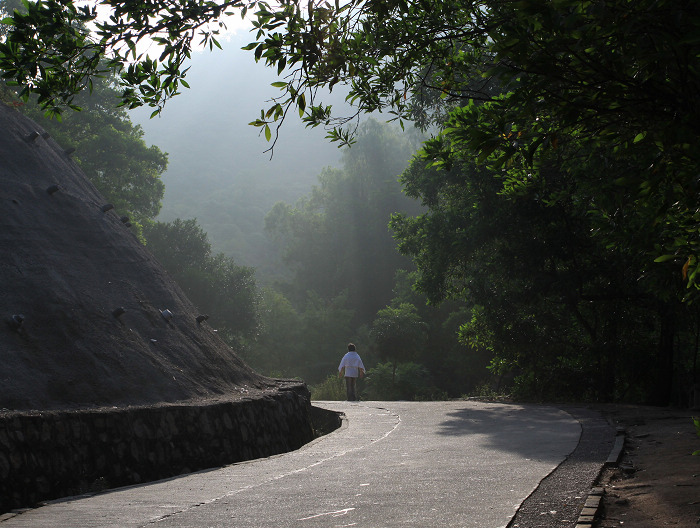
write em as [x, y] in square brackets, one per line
[220, 170]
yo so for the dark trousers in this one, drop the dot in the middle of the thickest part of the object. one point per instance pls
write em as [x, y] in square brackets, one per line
[351, 388]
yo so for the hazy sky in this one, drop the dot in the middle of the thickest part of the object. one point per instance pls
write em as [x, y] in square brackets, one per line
[218, 169]
[205, 129]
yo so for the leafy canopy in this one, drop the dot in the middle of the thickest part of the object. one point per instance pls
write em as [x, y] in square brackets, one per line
[526, 85]
[398, 333]
[49, 49]
[520, 80]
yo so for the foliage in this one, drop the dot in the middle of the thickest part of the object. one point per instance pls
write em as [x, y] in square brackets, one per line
[279, 344]
[549, 303]
[571, 113]
[326, 326]
[487, 392]
[544, 340]
[109, 148]
[221, 289]
[398, 333]
[180, 244]
[455, 368]
[307, 343]
[332, 389]
[50, 52]
[561, 191]
[407, 381]
[568, 72]
[7, 7]
[336, 239]
[111, 151]
[582, 82]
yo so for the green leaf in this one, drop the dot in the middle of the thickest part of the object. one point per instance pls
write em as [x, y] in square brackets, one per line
[664, 258]
[268, 133]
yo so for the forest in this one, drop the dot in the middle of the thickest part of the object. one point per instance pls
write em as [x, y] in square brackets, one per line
[526, 225]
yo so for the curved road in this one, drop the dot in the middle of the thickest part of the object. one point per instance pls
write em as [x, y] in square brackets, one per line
[428, 464]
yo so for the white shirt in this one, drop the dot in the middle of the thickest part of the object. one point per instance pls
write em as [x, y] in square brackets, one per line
[352, 363]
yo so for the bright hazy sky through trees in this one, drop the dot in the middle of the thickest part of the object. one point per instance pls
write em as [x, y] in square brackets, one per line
[213, 150]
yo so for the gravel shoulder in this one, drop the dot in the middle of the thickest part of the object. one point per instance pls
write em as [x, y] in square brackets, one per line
[560, 497]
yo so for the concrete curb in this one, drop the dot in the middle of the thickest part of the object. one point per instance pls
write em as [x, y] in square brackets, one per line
[616, 452]
[594, 501]
[590, 508]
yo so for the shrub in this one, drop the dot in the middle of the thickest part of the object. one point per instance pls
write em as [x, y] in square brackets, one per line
[486, 392]
[332, 389]
[412, 382]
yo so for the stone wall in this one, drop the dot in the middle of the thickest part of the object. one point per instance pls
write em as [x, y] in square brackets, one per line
[47, 455]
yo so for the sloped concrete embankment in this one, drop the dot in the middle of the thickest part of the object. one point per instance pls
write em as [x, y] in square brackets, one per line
[47, 455]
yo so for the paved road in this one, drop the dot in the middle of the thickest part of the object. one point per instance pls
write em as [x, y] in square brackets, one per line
[433, 464]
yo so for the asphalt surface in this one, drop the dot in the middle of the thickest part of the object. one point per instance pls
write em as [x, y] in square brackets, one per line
[430, 464]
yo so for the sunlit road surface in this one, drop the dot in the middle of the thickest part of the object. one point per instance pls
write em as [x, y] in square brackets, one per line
[433, 464]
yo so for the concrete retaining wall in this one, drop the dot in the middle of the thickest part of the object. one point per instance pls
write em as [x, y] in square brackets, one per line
[47, 455]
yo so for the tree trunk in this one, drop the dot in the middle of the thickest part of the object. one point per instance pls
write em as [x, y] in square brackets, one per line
[663, 385]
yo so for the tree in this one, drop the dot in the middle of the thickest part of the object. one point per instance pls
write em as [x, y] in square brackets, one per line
[301, 342]
[550, 302]
[280, 344]
[7, 7]
[336, 239]
[456, 368]
[180, 244]
[407, 381]
[618, 75]
[398, 334]
[598, 78]
[221, 289]
[109, 148]
[50, 51]
[584, 103]
[567, 88]
[111, 151]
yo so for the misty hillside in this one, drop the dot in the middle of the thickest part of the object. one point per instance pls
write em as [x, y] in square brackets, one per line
[218, 169]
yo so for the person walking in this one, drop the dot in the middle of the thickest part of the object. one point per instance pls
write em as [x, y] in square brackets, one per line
[353, 368]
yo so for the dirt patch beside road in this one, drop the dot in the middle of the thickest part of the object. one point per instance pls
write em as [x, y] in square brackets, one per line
[658, 480]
